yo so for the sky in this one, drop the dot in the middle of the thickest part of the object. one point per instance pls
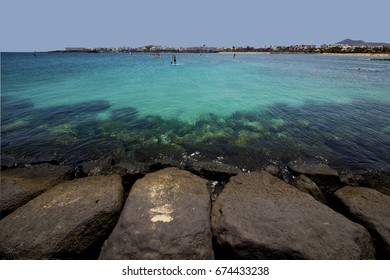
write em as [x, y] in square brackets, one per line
[42, 25]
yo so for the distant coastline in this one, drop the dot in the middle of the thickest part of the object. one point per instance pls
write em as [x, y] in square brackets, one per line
[373, 53]
[379, 55]
[342, 54]
[348, 47]
[229, 51]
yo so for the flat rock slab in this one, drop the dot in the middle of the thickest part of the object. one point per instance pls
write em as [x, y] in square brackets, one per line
[166, 216]
[258, 216]
[372, 209]
[66, 222]
[20, 185]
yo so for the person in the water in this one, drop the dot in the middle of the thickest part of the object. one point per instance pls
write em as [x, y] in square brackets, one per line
[174, 60]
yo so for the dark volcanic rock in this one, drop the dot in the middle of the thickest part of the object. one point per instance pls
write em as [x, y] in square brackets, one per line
[258, 216]
[306, 185]
[20, 185]
[371, 209]
[166, 216]
[102, 167]
[134, 167]
[322, 174]
[213, 170]
[312, 169]
[378, 180]
[163, 163]
[274, 170]
[69, 221]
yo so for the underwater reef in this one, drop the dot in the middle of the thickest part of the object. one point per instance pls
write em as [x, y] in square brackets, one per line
[75, 133]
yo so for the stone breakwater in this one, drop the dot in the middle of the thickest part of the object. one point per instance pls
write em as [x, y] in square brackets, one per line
[200, 210]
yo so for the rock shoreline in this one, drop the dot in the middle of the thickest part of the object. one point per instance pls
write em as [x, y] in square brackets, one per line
[193, 210]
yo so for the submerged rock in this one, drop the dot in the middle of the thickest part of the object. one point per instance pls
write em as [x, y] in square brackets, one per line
[277, 123]
[126, 114]
[55, 114]
[255, 126]
[246, 137]
[166, 216]
[69, 221]
[258, 216]
[20, 185]
[371, 209]
[315, 169]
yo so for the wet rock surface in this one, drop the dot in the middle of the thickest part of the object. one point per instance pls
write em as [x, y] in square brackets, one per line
[69, 221]
[371, 209]
[166, 216]
[259, 216]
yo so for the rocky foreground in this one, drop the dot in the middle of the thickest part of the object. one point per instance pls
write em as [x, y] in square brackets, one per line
[103, 210]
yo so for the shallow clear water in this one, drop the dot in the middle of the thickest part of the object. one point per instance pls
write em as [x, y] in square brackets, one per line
[245, 111]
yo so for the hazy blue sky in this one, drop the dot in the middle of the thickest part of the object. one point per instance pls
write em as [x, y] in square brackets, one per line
[28, 25]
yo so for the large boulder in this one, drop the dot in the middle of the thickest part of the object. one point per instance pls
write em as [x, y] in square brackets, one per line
[166, 216]
[371, 209]
[20, 185]
[258, 216]
[69, 221]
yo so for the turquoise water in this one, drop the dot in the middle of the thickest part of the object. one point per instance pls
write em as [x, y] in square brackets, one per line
[246, 111]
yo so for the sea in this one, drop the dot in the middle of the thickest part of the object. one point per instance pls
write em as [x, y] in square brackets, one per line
[249, 110]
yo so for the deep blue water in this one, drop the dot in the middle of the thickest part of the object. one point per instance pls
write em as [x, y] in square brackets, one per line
[246, 111]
